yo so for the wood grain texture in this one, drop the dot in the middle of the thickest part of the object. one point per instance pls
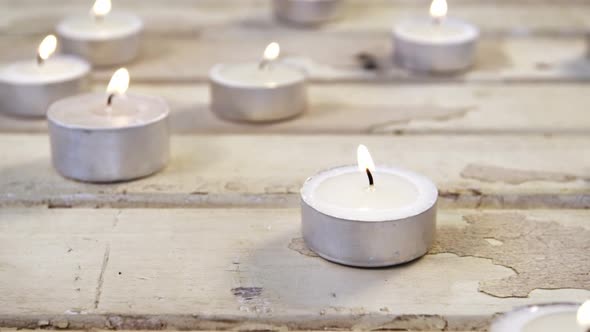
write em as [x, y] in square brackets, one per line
[502, 17]
[332, 57]
[195, 269]
[448, 109]
[257, 170]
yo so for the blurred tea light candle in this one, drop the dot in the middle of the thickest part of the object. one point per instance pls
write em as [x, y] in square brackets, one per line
[103, 38]
[28, 87]
[306, 12]
[555, 317]
[368, 216]
[437, 44]
[260, 91]
[109, 137]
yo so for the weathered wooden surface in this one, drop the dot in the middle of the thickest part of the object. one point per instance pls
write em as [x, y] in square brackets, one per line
[521, 17]
[255, 171]
[332, 57]
[383, 109]
[510, 133]
[193, 269]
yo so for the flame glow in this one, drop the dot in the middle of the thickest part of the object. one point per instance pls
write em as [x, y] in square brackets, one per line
[364, 159]
[119, 82]
[47, 47]
[272, 51]
[101, 8]
[583, 315]
[438, 9]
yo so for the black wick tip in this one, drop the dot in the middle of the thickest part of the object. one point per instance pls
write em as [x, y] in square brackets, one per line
[39, 59]
[370, 176]
[368, 61]
[110, 99]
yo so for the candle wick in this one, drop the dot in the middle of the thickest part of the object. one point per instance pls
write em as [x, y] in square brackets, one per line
[264, 64]
[437, 20]
[370, 176]
[110, 99]
[40, 60]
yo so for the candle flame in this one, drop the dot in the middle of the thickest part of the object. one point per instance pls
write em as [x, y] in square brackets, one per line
[119, 82]
[272, 51]
[101, 8]
[438, 9]
[365, 161]
[47, 47]
[583, 315]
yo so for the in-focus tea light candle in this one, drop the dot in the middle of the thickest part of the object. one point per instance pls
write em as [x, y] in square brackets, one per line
[306, 12]
[28, 87]
[437, 44]
[261, 91]
[109, 137]
[555, 317]
[368, 216]
[103, 38]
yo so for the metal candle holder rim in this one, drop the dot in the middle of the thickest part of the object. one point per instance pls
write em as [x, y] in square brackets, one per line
[517, 326]
[474, 34]
[217, 78]
[57, 80]
[423, 209]
[157, 99]
[136, 28]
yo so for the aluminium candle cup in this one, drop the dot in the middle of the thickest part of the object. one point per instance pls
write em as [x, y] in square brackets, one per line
[537, 318]
[306, 12]
[434, 54]
[102, 48]
[27, 93]
[369, 243]
[239, 101]
[103, 153]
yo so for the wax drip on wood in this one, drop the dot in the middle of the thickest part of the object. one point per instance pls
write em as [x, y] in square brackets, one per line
[370, 176]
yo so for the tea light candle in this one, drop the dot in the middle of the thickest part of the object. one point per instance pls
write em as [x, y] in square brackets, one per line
[103, 38]
[109, 137]
[562, 317]
[258, 91]
[438, 44]
[27, 88]
[368, 216]
[306, 12]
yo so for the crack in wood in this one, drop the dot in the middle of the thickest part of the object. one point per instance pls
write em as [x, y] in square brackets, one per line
[100, 282]
[490, 173]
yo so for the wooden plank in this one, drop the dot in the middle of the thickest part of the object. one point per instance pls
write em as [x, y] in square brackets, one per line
[331, 58]
[234, 269]
[190, 17]
[470, 171]
[382, 109]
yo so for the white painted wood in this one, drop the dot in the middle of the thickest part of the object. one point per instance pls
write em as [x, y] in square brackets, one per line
[268, 170]
[384, 109]
[330, 58]
[193, 17]
[151, 268]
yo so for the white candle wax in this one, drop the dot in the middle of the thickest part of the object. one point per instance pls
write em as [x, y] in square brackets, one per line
[111, 26]
[93, 142]
[425, 30]
[110, 40]
[251, 75]
[562, 317]
[54, 69]
[28, 88]
[345, 193]
[247, 92]
[426, 45]
[90, 111]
